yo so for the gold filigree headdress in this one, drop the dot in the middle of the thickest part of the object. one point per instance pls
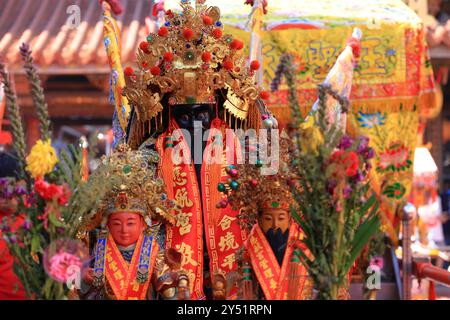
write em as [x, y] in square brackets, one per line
[250, 191]
[131, 186]
[188, 61]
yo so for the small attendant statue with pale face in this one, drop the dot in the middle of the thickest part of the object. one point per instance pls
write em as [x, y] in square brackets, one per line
[271, 264]
[129, 262]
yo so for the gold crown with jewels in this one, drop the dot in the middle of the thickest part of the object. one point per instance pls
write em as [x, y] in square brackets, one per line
[131, 186]
[189, 61]
[251, 192]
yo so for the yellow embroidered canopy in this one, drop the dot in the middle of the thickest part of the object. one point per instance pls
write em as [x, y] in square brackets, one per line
[393, 81]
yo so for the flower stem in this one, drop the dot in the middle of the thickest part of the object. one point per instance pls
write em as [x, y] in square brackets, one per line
[16, 122]
[37, 92]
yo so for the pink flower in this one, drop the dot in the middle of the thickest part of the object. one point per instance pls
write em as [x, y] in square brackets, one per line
[63, 265]
[377, 262]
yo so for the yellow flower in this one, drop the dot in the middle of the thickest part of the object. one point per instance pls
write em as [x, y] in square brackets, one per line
[383, 227]
[42, 159]
[311, 136]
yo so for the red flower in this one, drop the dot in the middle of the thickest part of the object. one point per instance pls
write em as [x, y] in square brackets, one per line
[53, 191]
[351, 162]
[347, 162]
[64, 197]
[50, 191]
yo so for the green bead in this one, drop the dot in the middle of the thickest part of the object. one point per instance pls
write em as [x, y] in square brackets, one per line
[229, 39]
[127, 169]
[259, 163]
[150, 38]
[190, 100]
[189, 55]
[275, 204]
[221, 187]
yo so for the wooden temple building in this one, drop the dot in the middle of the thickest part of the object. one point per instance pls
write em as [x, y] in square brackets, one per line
[71, 60]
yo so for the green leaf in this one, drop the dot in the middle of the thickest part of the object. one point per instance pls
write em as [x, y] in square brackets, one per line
[35, 243]
[55, 221]
[365, 231]
[368, 204]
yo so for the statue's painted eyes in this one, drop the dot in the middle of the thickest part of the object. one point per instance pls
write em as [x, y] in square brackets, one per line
[201, 116]
[184, 117]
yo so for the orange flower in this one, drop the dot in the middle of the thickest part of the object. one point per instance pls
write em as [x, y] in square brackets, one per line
[346, 162]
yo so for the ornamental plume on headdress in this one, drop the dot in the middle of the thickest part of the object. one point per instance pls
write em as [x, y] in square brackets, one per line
[188, 61]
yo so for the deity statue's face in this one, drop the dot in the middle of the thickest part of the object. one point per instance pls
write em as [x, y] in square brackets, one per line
[274, 219]
[185, 115]
[125, 227]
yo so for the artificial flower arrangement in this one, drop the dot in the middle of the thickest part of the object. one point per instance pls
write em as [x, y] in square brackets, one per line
[46, 257]
[337, 211]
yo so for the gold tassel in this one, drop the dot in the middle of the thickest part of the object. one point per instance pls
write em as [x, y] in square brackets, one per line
[294, 276]
[293, 280]
[166, 164]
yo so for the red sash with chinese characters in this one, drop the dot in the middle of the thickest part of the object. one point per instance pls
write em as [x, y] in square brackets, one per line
[273, 280]
[121, 276]
[223, 234]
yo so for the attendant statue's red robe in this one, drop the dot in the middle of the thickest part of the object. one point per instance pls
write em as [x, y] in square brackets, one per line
[288, 281]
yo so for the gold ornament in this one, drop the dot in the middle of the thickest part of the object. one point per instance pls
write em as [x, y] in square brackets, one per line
[256, 192]
[188, 61]
[133, 188]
